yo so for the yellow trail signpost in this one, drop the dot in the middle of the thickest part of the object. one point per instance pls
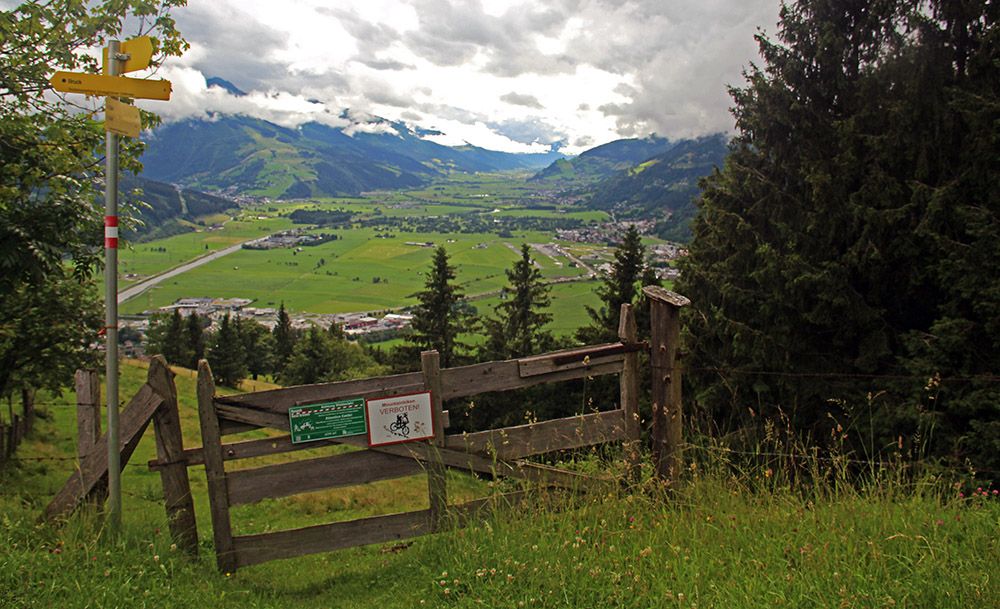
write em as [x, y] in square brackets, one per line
[119, 119]
[104, 84]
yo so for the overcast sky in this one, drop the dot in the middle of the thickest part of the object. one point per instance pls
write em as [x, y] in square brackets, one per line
[505, 75]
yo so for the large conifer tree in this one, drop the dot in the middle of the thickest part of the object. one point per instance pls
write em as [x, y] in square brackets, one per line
[227, 355]
[851, 239]
[619, 287]
[518, 328]
[439, 317]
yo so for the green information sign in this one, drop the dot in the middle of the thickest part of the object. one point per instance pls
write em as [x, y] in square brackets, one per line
[327, 420]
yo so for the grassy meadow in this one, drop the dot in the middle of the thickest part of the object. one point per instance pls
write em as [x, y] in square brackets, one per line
[728, 537]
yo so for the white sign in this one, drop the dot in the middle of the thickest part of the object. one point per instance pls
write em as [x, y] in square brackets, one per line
[401, 418]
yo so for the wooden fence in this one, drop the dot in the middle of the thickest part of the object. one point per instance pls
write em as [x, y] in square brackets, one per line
[498, 452]
[156, 402]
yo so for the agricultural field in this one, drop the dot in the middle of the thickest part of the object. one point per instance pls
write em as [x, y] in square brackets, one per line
[378, 261]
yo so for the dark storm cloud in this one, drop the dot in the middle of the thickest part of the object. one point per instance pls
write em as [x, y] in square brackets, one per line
[519, 99]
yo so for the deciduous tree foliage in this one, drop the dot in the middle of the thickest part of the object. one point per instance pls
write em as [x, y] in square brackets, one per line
[845, 258]
[50, 169]
[327, 356]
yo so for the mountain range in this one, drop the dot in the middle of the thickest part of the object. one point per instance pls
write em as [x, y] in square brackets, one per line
[637, 178]
[643, 179]
[233, 153]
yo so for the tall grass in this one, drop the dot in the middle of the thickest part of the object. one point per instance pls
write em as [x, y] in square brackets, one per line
[780, 527]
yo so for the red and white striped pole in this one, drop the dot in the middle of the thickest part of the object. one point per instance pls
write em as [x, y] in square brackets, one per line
[111, 308]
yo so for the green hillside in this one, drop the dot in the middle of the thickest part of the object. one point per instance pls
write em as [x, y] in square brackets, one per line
[663, 188]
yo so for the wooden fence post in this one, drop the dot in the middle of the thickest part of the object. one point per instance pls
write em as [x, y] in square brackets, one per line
[665, 329]
[215, 473]
[88, 423]
[437, 488]
[88, 411]
[629, 391]
[170, 451]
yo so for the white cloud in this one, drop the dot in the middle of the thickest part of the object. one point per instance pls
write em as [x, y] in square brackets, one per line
[583, 71]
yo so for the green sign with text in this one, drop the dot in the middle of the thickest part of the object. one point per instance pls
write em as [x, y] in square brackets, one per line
[327, 420]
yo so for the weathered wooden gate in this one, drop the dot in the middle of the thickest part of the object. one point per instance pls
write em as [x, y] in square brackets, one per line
[498, 451]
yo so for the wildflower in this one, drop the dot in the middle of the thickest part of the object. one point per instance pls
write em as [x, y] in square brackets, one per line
[156, 558]
[645, 552]
[961, 495]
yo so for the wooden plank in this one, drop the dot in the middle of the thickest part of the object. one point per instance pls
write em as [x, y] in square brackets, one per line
[94, 467]
[570, 359]
[250, 448]
[280, 400]
[628, 392]
[177, 497]
[228, 428]
[463, 461]
[251, 416]
[348, 469]
[546, 436]
[503, 376]
[665, 296]
[215, 473]
[263, 547]
[437, 488]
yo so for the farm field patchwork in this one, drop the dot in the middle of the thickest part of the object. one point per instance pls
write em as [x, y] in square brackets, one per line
[377, 264]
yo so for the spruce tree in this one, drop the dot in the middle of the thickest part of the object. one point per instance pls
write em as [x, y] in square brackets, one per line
[439, 316]
[195, 340]
[517, 330]
[850, 241]
[226, 355]
[284, 338]
[258, 345]
[167, 337]
[619, 287]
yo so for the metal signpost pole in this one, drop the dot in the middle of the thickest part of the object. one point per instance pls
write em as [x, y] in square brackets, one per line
[111, 309]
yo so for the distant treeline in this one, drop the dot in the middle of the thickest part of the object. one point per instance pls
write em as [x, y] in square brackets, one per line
[321, 217]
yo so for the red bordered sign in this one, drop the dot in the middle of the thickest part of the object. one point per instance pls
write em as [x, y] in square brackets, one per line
[400, 418]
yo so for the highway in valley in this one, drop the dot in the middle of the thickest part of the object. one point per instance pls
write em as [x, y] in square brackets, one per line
[134, 290]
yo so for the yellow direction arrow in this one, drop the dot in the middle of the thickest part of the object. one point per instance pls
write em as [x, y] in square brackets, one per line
[117, 86]
[120, 118]
[140, 51]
